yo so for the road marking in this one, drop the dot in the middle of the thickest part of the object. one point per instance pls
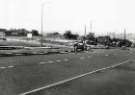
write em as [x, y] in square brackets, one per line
[34, 53]
[9, 53]
[107, 55]
[86, 51]
[73, 78]
[82, 58]
[65, 59]
[41, 53]
[50, 61]
[58, 60]
[2, 67]
[42, 62]
[131, 52]
[10, 66]
[63, 52]
[78, 53]
[89, 56]
[45, 52]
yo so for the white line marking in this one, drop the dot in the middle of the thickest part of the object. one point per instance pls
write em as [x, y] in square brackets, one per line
[50, 61]
[42, 63]
[41, 53]
[73, 78]
[89, 56]
[58, 60]
[9, 53]
[65, 59]
[2, 67]
[131, 52]
[106, 55]
[34, 52]
[82, 58]
[10, 66]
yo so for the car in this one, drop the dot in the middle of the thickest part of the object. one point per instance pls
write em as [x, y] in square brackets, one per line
[79, 46]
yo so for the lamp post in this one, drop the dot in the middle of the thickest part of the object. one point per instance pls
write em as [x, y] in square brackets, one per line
[42, 22]
[125, 34]
[85, 31]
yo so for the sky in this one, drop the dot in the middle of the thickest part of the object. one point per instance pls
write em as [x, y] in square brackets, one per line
[61, 15]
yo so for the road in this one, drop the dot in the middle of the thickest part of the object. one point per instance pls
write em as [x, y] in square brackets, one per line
[117, 81]
[25, 73]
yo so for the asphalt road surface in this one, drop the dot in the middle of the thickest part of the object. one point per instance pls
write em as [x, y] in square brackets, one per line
[116, 81]
[20, 74]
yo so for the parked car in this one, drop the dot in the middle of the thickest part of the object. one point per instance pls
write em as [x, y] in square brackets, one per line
[79, 46]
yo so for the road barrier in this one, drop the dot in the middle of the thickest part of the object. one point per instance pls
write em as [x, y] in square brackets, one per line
[33, 52]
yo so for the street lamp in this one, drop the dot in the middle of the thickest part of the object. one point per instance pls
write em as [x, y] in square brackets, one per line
[42, 22]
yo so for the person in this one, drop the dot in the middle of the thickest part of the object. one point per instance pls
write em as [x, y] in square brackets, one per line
[75, 47]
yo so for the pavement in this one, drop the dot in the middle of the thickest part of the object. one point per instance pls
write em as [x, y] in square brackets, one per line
[25, 73]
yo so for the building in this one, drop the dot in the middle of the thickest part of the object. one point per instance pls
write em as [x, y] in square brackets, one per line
[29, 36]
[2, 34]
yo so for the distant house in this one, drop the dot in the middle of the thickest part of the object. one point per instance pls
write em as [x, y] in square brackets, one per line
[54, 35]
[103, 39]
[18, 32]
[2, 34]
[14, 33]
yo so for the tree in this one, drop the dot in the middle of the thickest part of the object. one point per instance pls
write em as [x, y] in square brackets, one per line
[22, 32]
[69, 35]
[105, 40]
[35, 33]
[91, 36]
[54, 35]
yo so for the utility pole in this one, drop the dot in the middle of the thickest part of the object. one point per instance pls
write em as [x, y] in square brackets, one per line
[91, 27]
[107, 38]
[84, 41]
[42, 23]
[85, 31]
[124, 34]
[114, 35]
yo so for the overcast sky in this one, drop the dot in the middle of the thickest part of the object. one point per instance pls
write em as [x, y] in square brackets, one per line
[60, 15]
